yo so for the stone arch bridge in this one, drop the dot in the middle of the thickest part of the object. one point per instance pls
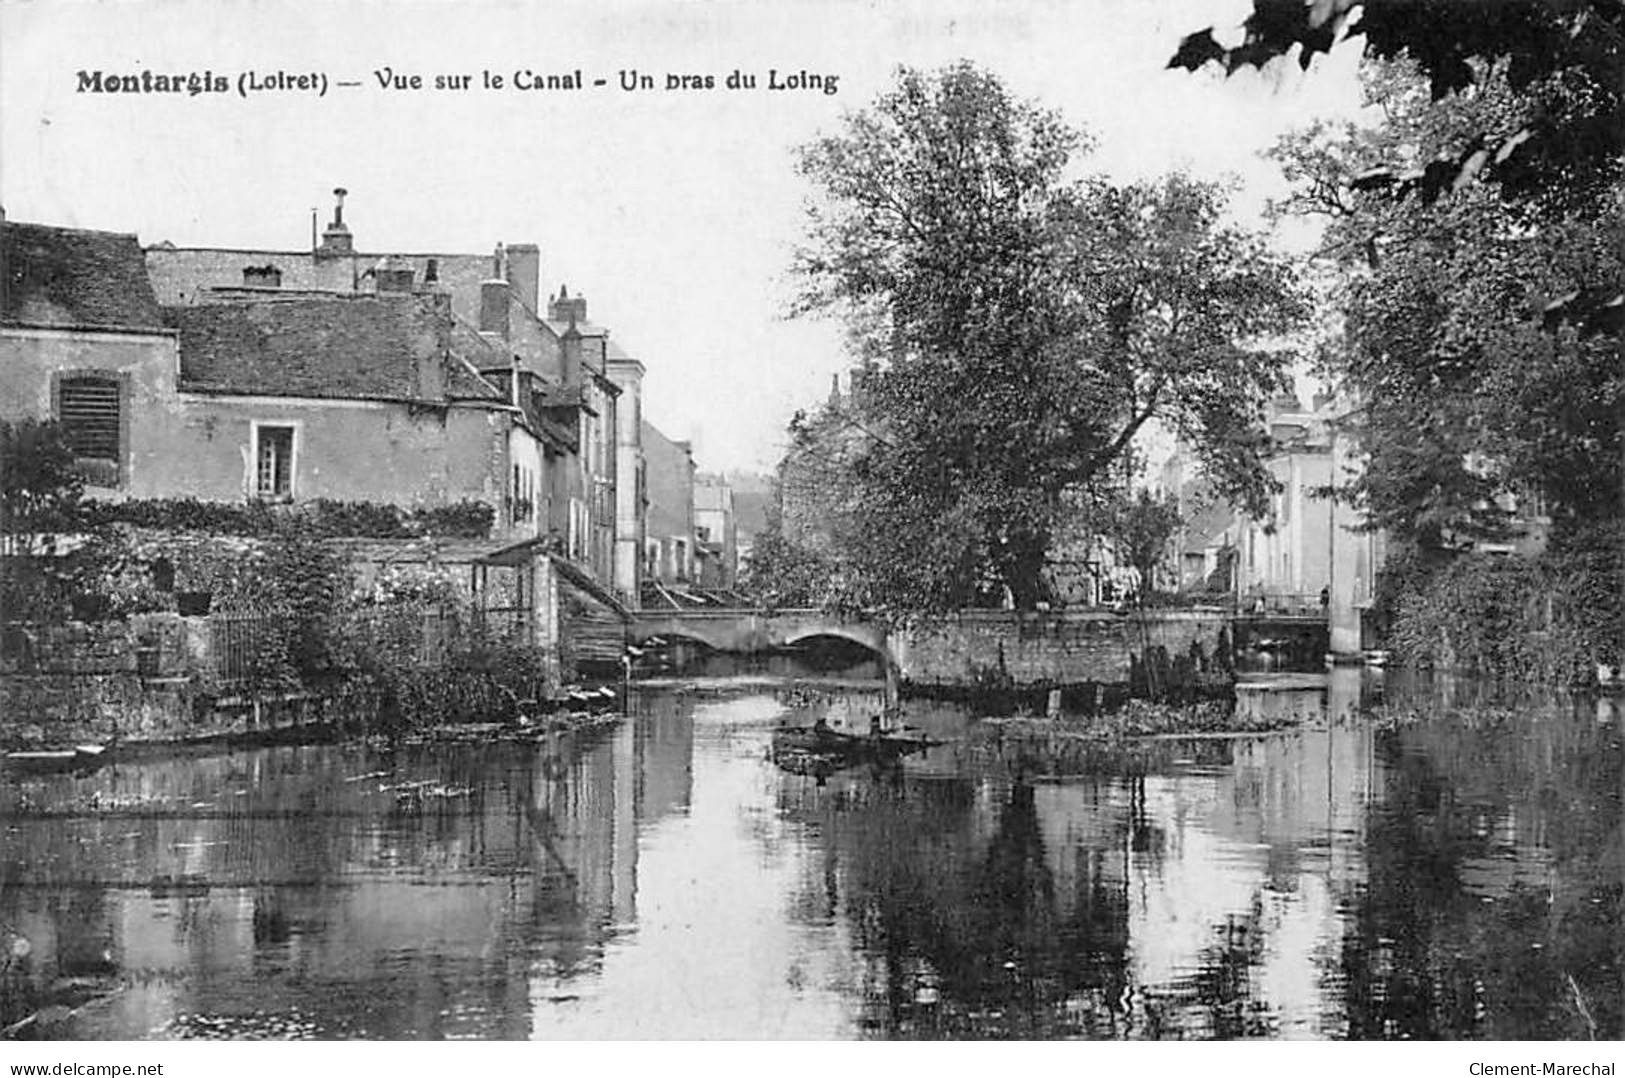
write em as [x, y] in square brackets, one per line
[750, 631]
[963, 649]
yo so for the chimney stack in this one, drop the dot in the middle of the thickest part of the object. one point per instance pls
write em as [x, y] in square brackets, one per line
[336, 240]
[525, 273]
[395, 275]
[494, 307]
[567, 308]
[570, 354]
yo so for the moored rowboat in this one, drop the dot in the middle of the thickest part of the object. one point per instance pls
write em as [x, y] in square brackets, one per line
[47, 760]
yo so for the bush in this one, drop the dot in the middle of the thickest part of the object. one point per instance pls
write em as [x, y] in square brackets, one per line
[414, 649]
[1551, 619]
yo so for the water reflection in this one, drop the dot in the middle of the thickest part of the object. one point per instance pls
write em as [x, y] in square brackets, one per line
[1449, 867]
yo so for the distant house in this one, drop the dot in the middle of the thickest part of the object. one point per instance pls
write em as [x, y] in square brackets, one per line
[715, 532]
[669, 554]
[752, 498]
[1285, 560]
[1312, 554]
[1202, 550]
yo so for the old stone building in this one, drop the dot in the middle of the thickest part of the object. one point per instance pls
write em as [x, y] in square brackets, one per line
[548, 356]
[280, 380]
[82, 340]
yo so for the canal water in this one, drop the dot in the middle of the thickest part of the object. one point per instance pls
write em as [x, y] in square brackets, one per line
[1445, 866]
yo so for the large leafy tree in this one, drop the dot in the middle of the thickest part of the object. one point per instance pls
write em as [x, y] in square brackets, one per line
[1479, 386]
[1015, 329]
[1564, 60]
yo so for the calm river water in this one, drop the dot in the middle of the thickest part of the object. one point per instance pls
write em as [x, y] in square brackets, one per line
[1456, 874]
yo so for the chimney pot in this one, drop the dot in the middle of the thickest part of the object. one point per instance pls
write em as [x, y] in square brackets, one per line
[567, 308]
[336, 239]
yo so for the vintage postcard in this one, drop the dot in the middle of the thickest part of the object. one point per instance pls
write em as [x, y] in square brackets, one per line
[823, 521]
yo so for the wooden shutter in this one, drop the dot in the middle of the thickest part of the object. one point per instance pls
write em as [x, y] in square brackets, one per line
[88, 409]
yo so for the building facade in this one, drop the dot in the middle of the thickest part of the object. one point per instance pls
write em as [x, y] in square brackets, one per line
[715, 532]
[669, 556]
[83, 340]
[258, 381]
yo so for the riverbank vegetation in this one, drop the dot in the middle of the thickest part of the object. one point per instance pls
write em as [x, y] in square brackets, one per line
[1142, 718]
[1554, 618]
[1472, 253]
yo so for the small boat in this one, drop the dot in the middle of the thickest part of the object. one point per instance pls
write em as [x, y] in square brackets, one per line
[800, 746]
[37, 761]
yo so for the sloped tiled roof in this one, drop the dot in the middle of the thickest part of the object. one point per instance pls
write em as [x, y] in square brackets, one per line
[586, 329]
[1205, 526]
[353, 348]
[75, 277]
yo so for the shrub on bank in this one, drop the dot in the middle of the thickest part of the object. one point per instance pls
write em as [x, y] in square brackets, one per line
[1552, 619]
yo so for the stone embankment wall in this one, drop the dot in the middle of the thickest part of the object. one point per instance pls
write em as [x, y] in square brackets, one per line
[1071, 648]
[150, 678]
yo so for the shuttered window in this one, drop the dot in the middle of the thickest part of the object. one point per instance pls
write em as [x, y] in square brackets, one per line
[88, 410]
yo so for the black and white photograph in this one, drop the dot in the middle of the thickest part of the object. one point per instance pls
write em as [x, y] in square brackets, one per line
[701, 521]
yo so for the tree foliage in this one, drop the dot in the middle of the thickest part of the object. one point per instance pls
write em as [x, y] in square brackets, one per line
[1565, 59]
[40, 485]
[40, 488]
[1475, 396]
[1143, 526]
[1015, 328]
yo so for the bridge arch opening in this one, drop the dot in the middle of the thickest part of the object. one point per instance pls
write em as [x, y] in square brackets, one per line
[838, 654]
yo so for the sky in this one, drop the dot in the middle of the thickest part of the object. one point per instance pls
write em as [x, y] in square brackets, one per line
[673, 211]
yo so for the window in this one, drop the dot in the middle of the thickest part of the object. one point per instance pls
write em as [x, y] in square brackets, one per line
[273, 462]
[90, 409]
[577, 539]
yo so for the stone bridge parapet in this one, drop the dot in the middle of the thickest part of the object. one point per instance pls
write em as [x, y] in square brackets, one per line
[749, 631]
[965, 649]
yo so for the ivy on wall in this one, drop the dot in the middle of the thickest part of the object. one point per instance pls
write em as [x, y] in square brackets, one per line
[321, 517]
